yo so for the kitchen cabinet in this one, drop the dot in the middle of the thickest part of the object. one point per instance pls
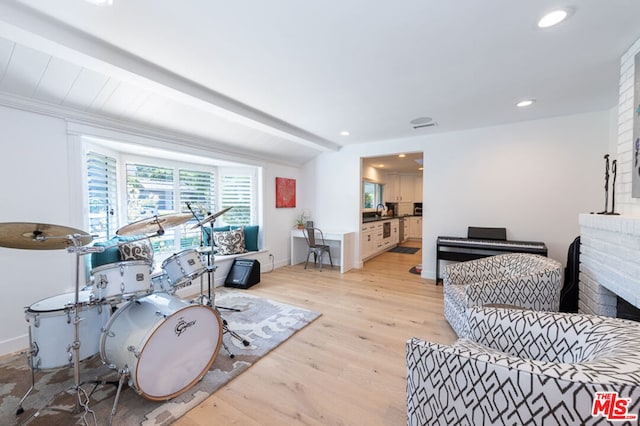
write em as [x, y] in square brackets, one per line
[415, 227]
[400, 188]
[417, 189]
[373, 240]
[405, 235]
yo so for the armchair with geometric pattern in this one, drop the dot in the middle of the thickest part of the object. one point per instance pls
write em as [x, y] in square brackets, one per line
[526, 367]
[524, 280]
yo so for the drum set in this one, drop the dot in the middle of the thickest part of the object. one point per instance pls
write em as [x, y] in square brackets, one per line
[131, 318]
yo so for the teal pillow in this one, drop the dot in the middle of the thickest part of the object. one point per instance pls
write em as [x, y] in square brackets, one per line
[206, 232]
[111, 253]
[251, 237]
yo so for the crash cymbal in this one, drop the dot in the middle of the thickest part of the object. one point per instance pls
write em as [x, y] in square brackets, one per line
[40, 236]
[155, 224]
[211, 217]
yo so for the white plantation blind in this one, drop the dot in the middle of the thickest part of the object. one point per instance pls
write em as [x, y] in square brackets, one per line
[150, 191]
[198, 189]
[238, 192]
[102, 188]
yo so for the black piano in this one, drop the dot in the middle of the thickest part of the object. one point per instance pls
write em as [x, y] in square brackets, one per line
[482, 242]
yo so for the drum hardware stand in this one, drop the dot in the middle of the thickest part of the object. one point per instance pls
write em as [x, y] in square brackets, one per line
[210, 269]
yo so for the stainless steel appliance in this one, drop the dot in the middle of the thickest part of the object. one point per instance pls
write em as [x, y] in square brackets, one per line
[417, 209]
[401, 226]
[386, 229]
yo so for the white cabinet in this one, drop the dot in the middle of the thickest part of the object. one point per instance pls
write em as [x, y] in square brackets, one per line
[372, 237]
[415, 227]
[406, 187]
[399, 188]
[368, 239]
[405, 235]
[417, 189]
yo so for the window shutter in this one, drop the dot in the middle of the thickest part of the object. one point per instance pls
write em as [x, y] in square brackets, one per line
[198, 189]
[237, 192]
[102, 195]
[150, 191]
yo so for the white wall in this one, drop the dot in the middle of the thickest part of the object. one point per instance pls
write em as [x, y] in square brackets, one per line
[40, 184]
[533, 178]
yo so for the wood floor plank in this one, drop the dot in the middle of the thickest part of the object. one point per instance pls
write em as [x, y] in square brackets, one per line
[348, 366]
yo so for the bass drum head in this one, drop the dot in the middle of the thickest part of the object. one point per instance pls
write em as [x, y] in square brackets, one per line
[179, 352]
[167, 343]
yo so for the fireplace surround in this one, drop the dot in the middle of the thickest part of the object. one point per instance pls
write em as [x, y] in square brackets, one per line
[609, 263]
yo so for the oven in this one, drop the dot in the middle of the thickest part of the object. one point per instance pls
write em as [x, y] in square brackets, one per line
[386, 229]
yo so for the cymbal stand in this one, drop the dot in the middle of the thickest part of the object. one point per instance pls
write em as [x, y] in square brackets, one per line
[75, 346]
[211, 300]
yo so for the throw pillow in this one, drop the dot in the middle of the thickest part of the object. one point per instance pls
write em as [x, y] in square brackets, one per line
[136, 250]
[206, 233]
[229, 242]
[251, 237]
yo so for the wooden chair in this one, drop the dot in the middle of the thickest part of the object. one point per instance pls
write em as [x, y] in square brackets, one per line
[316, 246]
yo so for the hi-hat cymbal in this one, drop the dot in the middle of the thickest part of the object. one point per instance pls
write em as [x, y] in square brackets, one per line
[211, 217]
[40, 236]
[155, 224]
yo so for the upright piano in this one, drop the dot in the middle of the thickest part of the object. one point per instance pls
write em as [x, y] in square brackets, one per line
[482, 242]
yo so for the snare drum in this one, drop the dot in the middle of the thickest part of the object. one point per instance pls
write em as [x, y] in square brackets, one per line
[167, 344]
[52, 329]
[183, 267]
[122, 280]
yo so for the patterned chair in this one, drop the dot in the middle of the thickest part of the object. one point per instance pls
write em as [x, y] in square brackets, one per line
[527, 368]
[524, 280]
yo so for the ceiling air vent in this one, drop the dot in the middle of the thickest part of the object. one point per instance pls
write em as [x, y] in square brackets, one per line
[421, 122]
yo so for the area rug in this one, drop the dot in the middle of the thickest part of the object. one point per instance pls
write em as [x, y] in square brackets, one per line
[263, 322]
[405, 250]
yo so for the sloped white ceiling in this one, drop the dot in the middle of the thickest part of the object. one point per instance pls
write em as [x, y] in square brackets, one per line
[281, 80]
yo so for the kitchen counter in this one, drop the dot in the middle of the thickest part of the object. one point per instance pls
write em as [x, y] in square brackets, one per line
[378, 219]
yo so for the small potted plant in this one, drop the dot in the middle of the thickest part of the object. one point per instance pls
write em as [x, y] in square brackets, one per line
[300, 221]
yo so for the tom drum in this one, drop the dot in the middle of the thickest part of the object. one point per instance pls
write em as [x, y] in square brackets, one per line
[183, 267]
[166, 343]
[122, 280]
[52, 330]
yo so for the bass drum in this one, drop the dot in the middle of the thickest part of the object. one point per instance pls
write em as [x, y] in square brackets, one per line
[166, 343]
[52, 332]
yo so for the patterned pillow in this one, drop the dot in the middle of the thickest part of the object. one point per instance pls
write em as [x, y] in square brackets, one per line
[136, 250]
[229, 242]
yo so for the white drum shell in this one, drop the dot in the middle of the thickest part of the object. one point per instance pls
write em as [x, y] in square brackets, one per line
[166, 343]
[122, 280]
[183, 267]
[160, 284]
[52, 330]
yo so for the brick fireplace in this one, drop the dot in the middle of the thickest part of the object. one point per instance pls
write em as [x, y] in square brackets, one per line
[609, 263]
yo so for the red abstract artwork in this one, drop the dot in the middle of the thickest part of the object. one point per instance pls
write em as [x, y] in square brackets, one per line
[285, 192]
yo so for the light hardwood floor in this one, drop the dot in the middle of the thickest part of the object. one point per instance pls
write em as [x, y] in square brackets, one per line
[348, 366]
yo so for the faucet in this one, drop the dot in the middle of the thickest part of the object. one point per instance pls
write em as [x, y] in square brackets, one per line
[379, 214]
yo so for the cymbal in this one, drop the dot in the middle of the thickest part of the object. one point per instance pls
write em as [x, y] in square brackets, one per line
[155, 224]
[40, 236]
[211, 217]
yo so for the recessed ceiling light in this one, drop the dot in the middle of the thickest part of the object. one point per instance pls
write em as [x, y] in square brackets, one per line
[420, 168]
[525, 103]
[101, 2]
[402, 155]
[380, 165]
[553, 18]
[344, 133]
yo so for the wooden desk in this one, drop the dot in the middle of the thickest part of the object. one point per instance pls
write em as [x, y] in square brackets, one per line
[341, 244]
